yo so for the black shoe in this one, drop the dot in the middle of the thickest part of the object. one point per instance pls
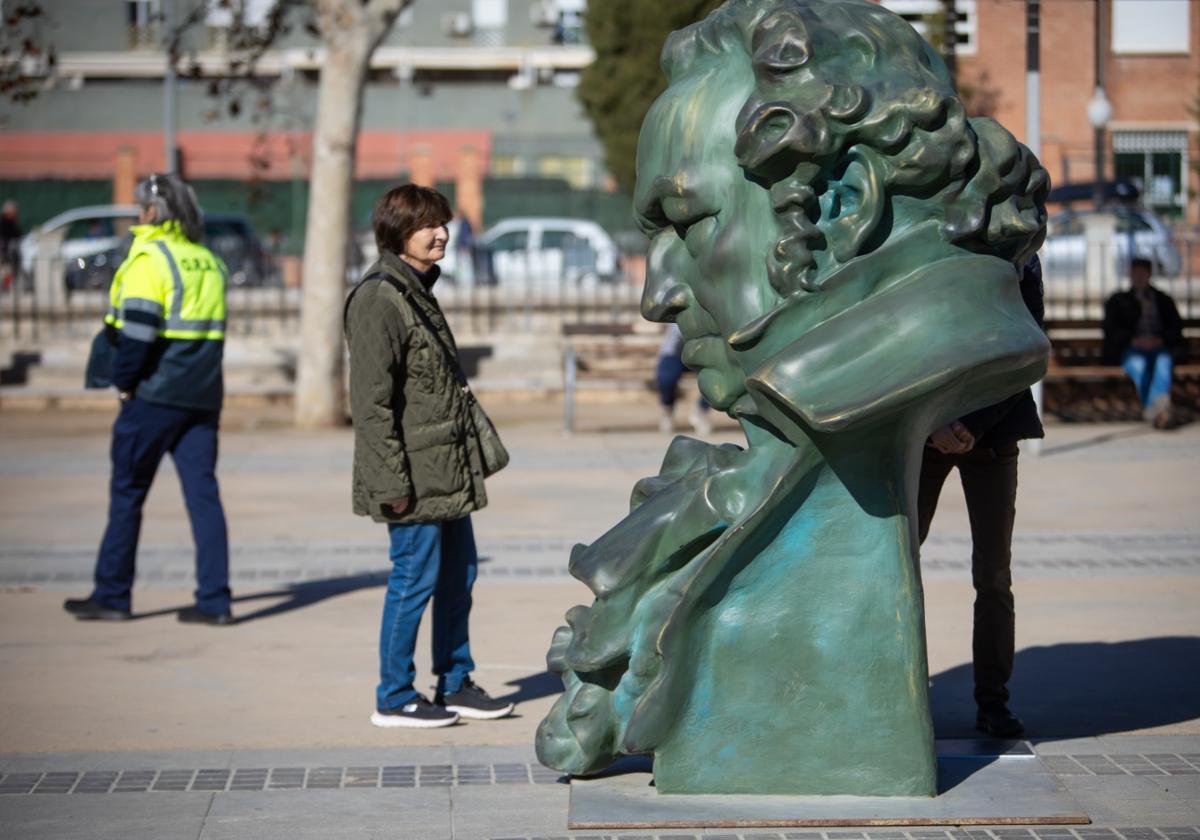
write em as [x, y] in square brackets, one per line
[473, 703]
[999, 723]
[195, 615]
[85, 609]
[419, 714]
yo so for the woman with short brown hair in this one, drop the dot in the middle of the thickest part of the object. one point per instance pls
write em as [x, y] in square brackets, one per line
[422, 448]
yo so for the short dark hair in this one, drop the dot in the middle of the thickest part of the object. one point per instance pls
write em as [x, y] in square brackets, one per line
[1142, 262]
[404, 210]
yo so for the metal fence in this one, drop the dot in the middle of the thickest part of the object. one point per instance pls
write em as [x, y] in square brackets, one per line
[1076, 288]
[534, 306]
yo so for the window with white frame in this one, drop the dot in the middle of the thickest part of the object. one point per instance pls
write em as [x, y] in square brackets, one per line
[926, 16]
[568, 23]
[489, 19]
[142, 18]
[1157, 162]
[1151, 26]
[222, 15]
[225, 12]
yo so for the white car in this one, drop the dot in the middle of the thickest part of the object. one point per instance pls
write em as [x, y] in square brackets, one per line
[1139, 233]
[550, 252]
[77, 235]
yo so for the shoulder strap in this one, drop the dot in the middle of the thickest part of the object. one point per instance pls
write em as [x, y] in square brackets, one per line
[451, 356]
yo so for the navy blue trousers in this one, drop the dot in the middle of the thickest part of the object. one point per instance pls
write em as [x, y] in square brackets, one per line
[143, 433]
[670, 370]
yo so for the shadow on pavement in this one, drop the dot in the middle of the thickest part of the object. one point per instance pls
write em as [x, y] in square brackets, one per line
[300, 595]
[534, 687]
[1080, 689]
[1099, 440]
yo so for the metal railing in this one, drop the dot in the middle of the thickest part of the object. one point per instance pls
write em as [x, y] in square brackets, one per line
[33, 312]
[60, 312]
[1074, 291]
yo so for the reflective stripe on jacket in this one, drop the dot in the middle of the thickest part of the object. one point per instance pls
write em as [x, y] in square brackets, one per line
[170, 292]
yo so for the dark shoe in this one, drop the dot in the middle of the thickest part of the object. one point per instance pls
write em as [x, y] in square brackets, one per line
[999, 723]
[195, 615]
[473, 703]
[419, 714]
[85, 609]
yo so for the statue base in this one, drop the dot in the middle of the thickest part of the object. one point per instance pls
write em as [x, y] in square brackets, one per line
[980, 782]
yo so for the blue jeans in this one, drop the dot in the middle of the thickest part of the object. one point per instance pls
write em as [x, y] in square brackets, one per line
[670, 370]
[1150, 371]
[143, 433]
[429, 559]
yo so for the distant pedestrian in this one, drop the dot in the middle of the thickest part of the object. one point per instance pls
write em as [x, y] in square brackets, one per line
[167, 318]
[1143, 333]
[983, 447]
[10, 243]
[464, 249]
[669, 369]
[422, 448]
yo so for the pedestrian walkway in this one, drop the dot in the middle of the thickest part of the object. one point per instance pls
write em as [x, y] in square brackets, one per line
[153, 729]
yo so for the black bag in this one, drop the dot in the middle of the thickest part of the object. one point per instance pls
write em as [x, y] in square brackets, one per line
[98, 373]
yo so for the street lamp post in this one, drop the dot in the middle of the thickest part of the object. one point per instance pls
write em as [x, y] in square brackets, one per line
[1099, 112]
[170, 109]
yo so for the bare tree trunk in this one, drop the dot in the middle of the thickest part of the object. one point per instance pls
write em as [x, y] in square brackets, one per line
[350, 31]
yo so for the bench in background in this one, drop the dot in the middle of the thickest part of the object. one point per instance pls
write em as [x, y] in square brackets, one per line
[1079, 386]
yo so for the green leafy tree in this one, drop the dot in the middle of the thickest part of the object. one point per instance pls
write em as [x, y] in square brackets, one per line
[618, 88]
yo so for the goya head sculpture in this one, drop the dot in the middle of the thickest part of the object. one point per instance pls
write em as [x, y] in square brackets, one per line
[838, 243]
[795, 140]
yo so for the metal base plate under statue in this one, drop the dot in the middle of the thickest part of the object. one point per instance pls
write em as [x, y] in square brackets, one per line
[980, 782]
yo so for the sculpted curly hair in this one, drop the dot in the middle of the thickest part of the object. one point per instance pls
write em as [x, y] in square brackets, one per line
[836, 81]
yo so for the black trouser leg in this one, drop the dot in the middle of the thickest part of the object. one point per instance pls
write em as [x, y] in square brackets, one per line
[989, 481]
[934, 468]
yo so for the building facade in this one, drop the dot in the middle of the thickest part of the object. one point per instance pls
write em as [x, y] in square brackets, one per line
[1144, 53]
[477, 96]
[459, 91]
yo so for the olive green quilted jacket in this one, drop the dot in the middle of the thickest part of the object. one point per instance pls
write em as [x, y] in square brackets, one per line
[413, 435]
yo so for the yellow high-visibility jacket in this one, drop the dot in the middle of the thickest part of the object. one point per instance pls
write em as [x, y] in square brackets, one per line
[169, 295]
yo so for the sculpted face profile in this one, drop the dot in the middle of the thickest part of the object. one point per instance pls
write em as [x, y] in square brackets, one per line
[838, 243]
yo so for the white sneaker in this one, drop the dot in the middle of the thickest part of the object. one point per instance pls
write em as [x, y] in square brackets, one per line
[701, 425]
[1160, 405]
[666, 420]
[419, 714]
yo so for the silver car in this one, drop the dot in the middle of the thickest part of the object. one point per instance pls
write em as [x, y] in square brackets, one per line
[1140, 233]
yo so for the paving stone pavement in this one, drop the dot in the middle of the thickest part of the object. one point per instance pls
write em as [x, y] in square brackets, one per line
[159, 730]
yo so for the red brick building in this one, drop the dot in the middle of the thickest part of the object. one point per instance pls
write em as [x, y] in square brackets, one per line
[1149, 65]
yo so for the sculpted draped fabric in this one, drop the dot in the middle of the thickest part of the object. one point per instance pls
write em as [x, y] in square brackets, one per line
[838, 244]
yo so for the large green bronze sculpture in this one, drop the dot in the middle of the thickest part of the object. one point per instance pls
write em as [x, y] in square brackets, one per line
[837, 242]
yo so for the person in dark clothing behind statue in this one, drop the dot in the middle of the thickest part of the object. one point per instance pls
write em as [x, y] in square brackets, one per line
[983, 446]
[1143, 333]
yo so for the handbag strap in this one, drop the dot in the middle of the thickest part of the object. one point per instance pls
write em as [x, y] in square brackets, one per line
[450, 355]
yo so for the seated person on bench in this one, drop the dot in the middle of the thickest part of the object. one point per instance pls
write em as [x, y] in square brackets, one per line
[1142, 333]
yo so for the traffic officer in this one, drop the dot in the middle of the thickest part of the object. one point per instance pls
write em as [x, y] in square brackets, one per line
[167, 318]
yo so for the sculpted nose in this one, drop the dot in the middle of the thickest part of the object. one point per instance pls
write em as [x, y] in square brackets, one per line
[666, 293]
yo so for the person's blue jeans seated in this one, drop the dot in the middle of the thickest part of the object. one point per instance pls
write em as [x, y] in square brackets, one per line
[429, 559]
[1150, 371]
